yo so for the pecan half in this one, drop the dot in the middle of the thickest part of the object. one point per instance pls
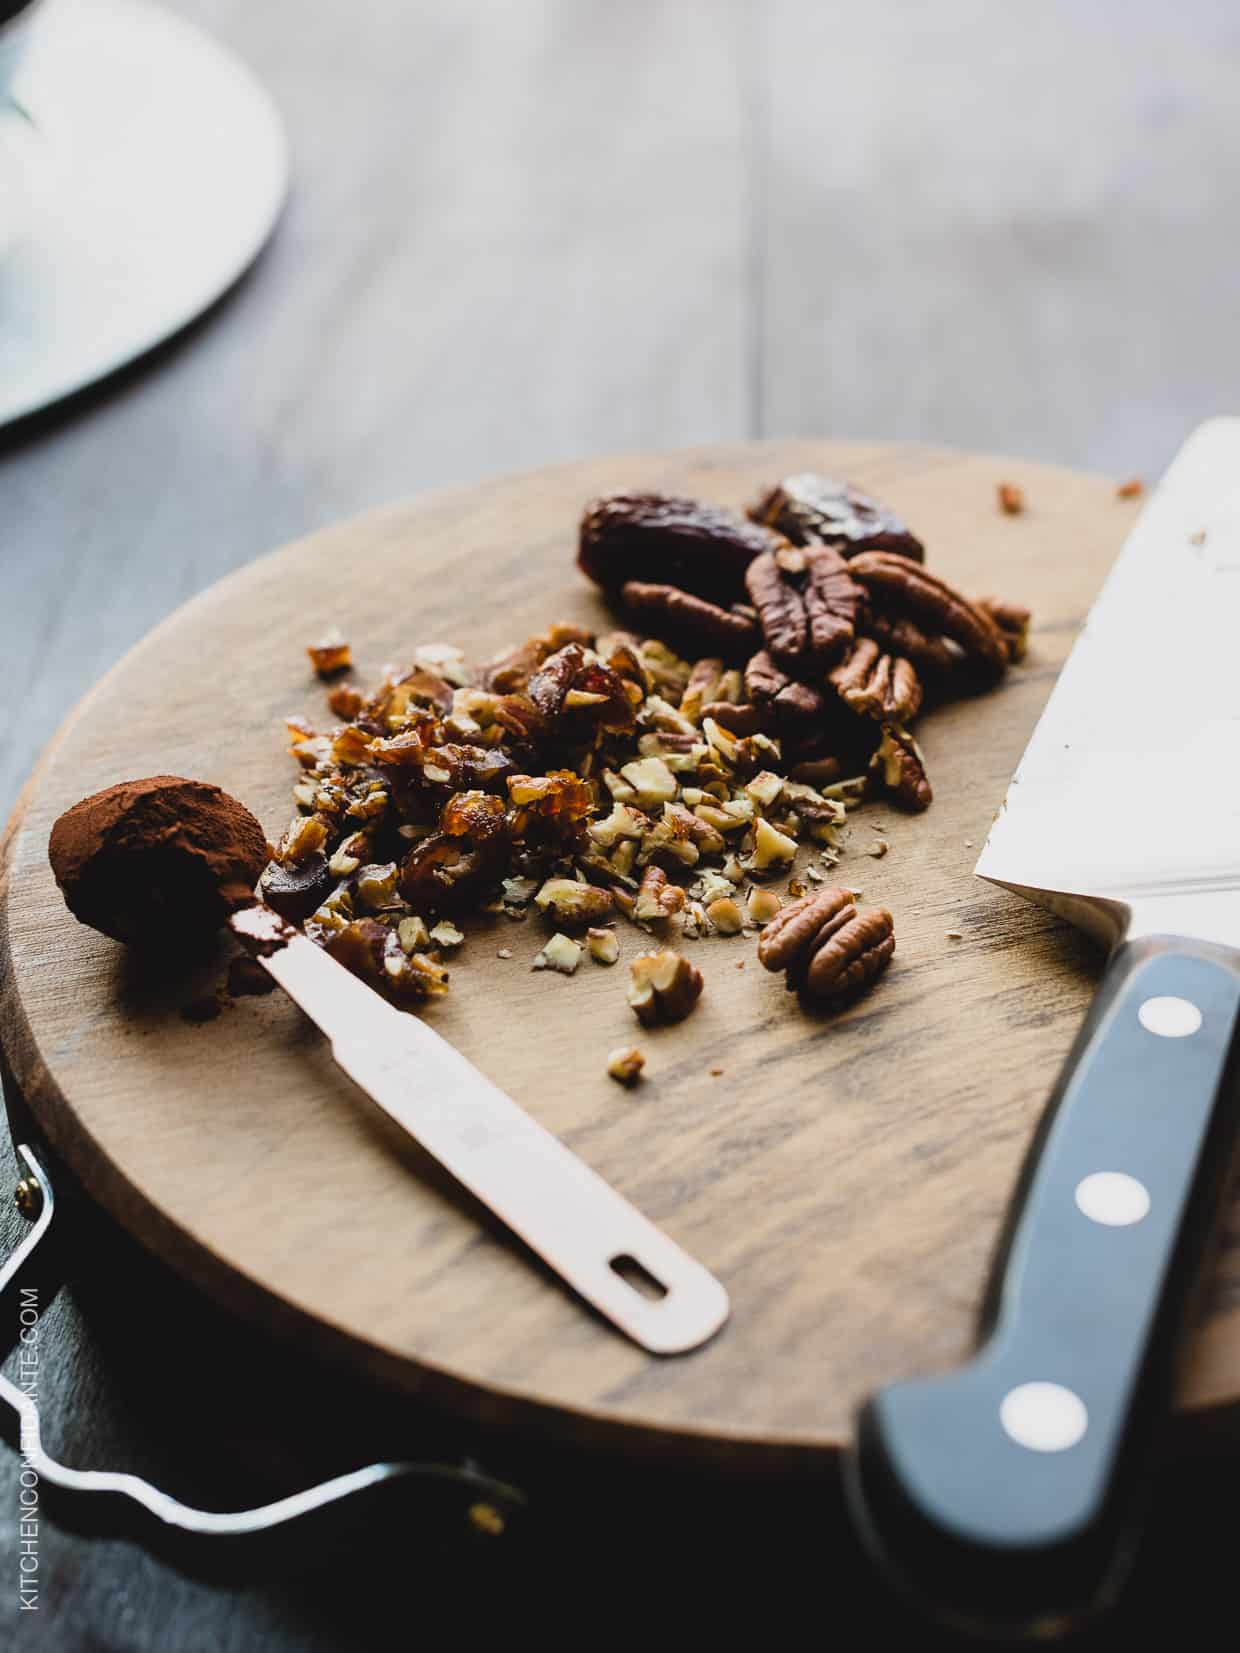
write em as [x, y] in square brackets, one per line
[875, 684]
[736, 719]
[771, 689]
[678, 617]
[697, 547]
[808, 508]
[825, 946]
[1013, 623]
[807, 603]
[665, 987]
[898, 586]
[900, 634]
[899, 769]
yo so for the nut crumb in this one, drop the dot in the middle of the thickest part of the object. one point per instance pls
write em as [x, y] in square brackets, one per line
[716, 1073]
[561, 953]
[1132, 489]
[504, 953]
[446, 934]
[878, 848]
[955, 935]
[762, 904]
[625, 1064]
[725, 915]
[603, 946]
[1011, 498]
[1199, 538]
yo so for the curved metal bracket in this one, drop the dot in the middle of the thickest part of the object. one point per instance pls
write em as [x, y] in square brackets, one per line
[120, 1499]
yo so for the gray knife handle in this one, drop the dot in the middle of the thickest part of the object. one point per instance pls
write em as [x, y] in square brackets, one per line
[1007, 1491]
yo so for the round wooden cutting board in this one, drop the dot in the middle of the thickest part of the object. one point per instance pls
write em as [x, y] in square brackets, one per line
[844, 1176]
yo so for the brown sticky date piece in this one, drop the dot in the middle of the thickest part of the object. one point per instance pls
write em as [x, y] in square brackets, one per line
[296, 892]
[661, 539]
[809, 509]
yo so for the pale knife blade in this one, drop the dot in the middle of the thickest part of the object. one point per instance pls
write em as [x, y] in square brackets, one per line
[565, 1212]
[1007, 1493]
[1124, 813]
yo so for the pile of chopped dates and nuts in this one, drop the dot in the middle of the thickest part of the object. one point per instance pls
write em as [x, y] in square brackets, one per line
[768, 676]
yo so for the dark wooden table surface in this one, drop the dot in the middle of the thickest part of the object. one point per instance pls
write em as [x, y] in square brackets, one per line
[521, 233]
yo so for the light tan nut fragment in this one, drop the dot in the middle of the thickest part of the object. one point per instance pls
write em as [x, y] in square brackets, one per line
[446, 934]
[603, 946]
[413, 934]
[561, 953]
[825, 946]
[725, 915]
[762, 905]
[568, 901]
[625, 1064]
[665, 987]
[652, 781]
[771, 849]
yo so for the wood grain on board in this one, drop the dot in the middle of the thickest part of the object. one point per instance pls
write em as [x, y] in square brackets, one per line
[844, 1176]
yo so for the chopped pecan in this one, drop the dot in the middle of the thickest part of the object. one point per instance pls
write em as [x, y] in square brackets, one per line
[690, 622]
[665, 987]
[699, 548]
[743, 719]
[772, 690]
[900, 769]
[807, 603]
[625, 1064]
[874, 684]
[549, 686]
[373, 952]
[825, 946]
[560, 953]
[657, 896]
[702, 688]
[569, 901]
[1013, 623]
[809, 508]
[897, 586]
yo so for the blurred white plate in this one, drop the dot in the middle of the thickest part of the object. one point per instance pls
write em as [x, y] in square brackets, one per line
[150, 173]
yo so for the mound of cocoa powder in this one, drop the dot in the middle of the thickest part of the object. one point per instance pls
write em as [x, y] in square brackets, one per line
[158, 863]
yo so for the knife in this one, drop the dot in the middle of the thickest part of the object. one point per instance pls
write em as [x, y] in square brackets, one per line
[625, 1267]
[1008, 1494]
